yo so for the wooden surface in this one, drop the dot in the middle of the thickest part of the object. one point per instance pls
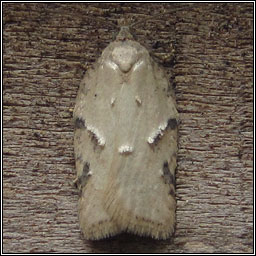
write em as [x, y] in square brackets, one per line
[47, 49]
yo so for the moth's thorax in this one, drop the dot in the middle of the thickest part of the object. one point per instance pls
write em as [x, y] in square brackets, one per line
[125, 56]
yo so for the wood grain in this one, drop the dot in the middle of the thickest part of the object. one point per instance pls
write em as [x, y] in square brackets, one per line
[48, 47]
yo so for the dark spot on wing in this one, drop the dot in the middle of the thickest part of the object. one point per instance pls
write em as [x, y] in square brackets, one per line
[168, 176]
[172, 192]
[80, 123]
[82, 180]
[172, 123]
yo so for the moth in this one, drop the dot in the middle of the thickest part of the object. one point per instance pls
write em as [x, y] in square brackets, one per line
[125, 144]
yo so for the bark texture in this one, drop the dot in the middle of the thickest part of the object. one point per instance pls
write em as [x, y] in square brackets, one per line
[207, 48]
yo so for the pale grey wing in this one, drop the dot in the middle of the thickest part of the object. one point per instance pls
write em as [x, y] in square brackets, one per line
[93, 144]
[141, 196]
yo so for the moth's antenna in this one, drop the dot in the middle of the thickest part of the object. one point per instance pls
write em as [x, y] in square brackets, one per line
[126, 28]
[127, 22]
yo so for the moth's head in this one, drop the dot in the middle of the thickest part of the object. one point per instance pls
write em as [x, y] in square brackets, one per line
[124, 34]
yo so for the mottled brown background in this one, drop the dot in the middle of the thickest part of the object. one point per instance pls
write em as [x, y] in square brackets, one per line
[48, 48]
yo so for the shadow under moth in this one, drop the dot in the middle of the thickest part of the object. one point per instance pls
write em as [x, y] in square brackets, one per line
[126, 144]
